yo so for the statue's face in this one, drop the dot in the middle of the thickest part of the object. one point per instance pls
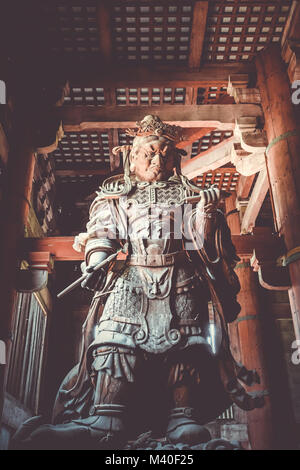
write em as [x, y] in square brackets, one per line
[153, 160]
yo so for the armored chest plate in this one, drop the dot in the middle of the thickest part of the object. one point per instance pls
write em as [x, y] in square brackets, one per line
[162, 193]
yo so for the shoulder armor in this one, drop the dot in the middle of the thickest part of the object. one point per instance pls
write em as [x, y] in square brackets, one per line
[112, 188]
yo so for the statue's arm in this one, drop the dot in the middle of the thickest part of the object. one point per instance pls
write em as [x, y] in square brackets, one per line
[98, 242]
[203, 219]
[218, 254]
[217, 236]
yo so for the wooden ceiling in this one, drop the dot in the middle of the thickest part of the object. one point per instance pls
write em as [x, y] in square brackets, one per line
[159, 32]
[126, 58]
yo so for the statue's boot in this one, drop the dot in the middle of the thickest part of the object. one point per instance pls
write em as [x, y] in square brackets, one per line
[183, 427]
[106, 424]
[104, 429]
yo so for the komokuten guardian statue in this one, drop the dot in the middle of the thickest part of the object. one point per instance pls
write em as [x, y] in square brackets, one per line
[149, 359]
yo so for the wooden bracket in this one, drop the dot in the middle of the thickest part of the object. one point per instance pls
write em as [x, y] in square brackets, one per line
[35, 277]
[243, 95]
[271, 274]
[40, 260]
[249, 155]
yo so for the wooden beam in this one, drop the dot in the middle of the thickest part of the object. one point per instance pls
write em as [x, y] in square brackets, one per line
[91, 74]
[290, 42]
[61, 247]
[191, 95]
[291, 29]
[220, 116]
[82, 172]
[232, 215]
[104, 27]
[244, 186]
[244, 95]
[256, 201]
[270, 275]
[197, 34]
[191, 135]
[211, 159]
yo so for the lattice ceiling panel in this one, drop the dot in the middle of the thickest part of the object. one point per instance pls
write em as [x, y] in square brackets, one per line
[124, 139]
[75, 179]
[225, 178]
[150, 96]
[85, 96]
[238, 29]
[210, 94]
[159, 32]
[152, 32]
[82, 149]
[208, 141]
[74, 28]
[145, 96]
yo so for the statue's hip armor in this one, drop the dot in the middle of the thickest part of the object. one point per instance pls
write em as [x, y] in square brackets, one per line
[155, 305]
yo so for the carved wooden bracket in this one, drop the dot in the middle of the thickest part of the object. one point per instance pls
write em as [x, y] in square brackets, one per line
[291, 55]
[40, 260]
[248, 155]
[35, 275]
[271, 274]
[243, 95]
[56, 139]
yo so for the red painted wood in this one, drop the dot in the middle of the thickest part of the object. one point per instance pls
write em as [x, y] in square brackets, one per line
[252, 355]
[283, 158]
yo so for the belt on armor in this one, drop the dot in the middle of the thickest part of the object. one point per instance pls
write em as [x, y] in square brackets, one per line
[155, 260]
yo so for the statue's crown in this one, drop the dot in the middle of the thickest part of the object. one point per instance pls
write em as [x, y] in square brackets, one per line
[153, 125]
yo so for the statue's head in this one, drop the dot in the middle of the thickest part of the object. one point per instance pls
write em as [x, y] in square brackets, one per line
[152, 158]
[154, 155]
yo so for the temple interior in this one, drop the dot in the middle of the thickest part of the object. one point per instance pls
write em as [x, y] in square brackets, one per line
[74, 76]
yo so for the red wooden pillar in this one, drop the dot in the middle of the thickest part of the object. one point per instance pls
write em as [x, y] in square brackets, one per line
[252, 356]
[234, 224]
[283, 161]
[16, 202]
[246, 341]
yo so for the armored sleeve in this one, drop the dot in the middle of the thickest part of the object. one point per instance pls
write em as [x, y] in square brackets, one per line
[200, 218]
[101, 229]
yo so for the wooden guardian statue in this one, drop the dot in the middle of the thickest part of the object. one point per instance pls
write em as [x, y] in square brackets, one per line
[153, 330]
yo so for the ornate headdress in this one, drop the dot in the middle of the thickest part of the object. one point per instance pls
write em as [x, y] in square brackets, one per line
[153, 125]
